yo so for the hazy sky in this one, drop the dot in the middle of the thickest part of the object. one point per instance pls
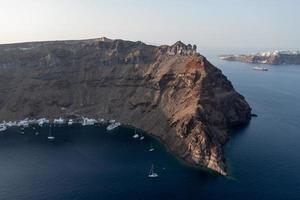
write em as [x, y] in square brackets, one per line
[207, 23]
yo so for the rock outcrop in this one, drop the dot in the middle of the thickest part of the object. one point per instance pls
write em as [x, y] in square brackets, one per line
[270, 58]
[172, 92]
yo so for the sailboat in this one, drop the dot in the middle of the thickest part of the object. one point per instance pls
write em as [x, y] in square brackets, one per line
[50, 136]
[151, 147]
[135, 136]
[152, 174]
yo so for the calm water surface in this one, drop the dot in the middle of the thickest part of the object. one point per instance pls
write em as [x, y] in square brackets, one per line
[89, 163]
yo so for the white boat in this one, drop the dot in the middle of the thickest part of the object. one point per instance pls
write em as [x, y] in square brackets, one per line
[32, 121]
[70, 122]
[260, 68]
[142, 137]
[135, 136]
[42, 121]
[112, 121]
[88, 122]
[102, 121]
[59, 121]
[151, 147]
[11, 124]
[113, 126]
[3, 127]
[152, 174]
[23, 123]
[50, 136]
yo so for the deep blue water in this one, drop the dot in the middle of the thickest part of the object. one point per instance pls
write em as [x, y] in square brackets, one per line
[88, 163]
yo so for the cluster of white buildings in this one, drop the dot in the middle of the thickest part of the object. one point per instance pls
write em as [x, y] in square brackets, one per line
[278, 52]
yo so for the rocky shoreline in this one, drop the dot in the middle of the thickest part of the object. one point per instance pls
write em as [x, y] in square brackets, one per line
[171, 92]
[270, 58]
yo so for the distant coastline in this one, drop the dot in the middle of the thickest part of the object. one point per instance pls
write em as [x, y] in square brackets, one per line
[271, 58]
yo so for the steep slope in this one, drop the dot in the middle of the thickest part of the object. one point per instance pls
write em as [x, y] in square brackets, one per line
[171, 92]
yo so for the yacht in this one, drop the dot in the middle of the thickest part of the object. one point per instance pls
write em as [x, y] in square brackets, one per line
[113, 126]
[142, 137]
[50, 136]
[112, 121]
[11, 124]
[152, 174]
[42, 121]
[260, 68]
[23, 123]
[88, 122]
[32, 121]
[59, 121]
[135, 136]
[70, 122]
[3, 127]
[151, 148]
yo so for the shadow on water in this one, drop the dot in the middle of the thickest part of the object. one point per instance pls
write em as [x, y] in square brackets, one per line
[240, 129]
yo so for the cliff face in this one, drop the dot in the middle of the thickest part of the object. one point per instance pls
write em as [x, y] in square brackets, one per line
[270, 58]
[171, 92]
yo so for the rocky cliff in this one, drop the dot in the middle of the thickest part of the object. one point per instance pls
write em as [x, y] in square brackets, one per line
[270, 58]
[172, 92]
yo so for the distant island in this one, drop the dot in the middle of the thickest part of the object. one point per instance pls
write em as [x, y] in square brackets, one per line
[270, 58]
[172, 92]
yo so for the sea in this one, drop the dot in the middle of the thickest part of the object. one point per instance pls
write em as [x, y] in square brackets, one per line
[89, 163]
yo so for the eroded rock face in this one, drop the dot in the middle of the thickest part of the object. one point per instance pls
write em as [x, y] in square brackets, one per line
[172, 92]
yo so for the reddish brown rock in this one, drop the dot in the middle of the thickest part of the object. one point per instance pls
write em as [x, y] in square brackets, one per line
[171, 92]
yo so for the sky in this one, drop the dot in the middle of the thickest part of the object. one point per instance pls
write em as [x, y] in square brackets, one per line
[211, 24]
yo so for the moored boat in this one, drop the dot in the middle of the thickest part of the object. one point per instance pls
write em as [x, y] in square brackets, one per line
[260, 68]
[88, 122]
[113, 126]
[3, 127]
[152, 174]
[59, 121]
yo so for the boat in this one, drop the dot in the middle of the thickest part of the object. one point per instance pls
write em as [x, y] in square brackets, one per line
[135, 136]
[102, 121]
[88, 122]
[3, 127]
[151, 148]
[70, 122]
[11, 124]
[142, 137]
[42, 121]
[112, 121]
[23, 123]
[59, 121]
[32, 121]
[50, 136]
[152, 174]
[113, 126]
[260, 68]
